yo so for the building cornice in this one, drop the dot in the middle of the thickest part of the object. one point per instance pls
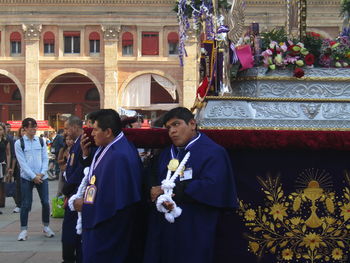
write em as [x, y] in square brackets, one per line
[87, 2]
[283, 2]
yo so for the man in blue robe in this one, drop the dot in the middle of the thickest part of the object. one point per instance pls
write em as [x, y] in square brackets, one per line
[109, 206]
[71, 241]
[204, 190]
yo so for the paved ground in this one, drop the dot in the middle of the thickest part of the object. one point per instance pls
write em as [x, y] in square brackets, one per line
[37, 248]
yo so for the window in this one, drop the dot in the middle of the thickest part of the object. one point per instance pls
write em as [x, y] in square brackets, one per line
[94, 39]
[71, 42]
[92, 95]
[15, 39]
[150, 43]
[127, 44]
[16, 95]
[173, 43]
[49, 43]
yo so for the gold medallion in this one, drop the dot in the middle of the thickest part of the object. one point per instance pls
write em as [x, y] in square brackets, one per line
[93, 179]
[173, 164]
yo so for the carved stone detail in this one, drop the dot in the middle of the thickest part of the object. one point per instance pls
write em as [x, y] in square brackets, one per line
[275, 114]
[311, 109]
[336, 111]
[275, 110]
[111, 32]
[31, 31]
[228, 110]
[305, 89]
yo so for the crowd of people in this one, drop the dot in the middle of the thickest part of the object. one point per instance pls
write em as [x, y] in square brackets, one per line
[117, 208]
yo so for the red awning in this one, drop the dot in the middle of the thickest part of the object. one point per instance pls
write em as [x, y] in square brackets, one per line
[173, 37]
[15, 37]
[71, 33]
[42, 125]
[94, 36]
[49, 38]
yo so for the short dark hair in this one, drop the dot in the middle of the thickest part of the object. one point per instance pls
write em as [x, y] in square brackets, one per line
[91, 116]
[108, 118]
[75, 120]
[181, 113]
[29, 122]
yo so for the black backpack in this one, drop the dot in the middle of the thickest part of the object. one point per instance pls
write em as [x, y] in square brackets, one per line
[22, 143]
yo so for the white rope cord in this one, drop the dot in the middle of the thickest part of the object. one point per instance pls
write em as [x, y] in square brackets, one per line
[79, 194]
[168, 186]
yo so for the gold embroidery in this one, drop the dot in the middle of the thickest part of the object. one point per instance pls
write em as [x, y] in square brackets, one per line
[309, 225]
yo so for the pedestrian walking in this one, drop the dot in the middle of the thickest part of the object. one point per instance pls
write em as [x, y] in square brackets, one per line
[5, 161]
[31, 153]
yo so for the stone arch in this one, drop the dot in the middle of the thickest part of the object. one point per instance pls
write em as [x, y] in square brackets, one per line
[62, 72]
[19, 86]
[139, 73]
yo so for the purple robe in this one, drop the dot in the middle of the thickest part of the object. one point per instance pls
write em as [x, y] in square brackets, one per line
[191, 238]
[108, 223]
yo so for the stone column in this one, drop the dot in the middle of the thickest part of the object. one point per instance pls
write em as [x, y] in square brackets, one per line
[190, 70]
[111, 37]
[31, 91]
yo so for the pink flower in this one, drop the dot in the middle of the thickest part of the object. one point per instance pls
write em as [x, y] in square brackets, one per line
[266, 53]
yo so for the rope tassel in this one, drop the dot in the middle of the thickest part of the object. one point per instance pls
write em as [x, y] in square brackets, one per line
[167, 186]
[79, 194]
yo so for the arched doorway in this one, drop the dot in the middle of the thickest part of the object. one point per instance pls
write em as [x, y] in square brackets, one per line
[150, 94]
[70, 94]
[10, 100]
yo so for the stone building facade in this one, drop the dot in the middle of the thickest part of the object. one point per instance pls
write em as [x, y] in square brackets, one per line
[61, 57]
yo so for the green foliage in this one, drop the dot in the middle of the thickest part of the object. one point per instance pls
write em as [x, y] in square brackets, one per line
[277, 34]
[345, 7]
[313, 42]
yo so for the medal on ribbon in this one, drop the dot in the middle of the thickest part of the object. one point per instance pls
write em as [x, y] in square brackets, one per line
[173, 164]
[90, 192]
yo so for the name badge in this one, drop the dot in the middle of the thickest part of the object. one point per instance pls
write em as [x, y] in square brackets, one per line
[90, 194]
[187, 175]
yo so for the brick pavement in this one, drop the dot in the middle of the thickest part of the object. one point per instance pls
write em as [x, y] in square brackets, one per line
[37, 248]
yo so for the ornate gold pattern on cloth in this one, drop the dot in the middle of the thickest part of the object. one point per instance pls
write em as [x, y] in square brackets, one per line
[309, 225]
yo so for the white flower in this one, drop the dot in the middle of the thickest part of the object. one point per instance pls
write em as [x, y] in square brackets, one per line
[284, 47]
[300, 44]
[273, 44]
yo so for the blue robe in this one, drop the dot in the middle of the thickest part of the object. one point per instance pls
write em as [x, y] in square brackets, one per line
[191, 238]
[108, 223]
[74, 175]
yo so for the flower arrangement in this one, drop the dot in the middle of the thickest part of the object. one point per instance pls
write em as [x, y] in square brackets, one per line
[335, 53]
[288, 55]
